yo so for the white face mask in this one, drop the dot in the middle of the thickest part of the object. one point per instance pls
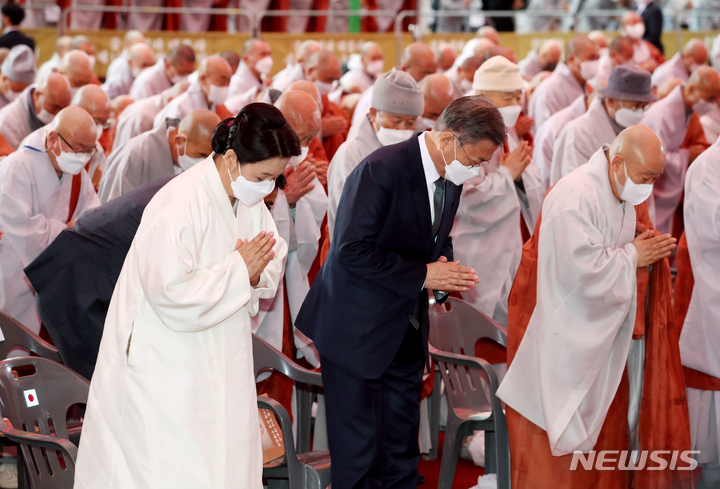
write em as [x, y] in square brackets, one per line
[250, 193]
[135, 71]
[703, 107]
[635, 31]
[264, 65]
[186, 162]
[633, 193]
[465, 85]
[375, 67]
[217, 95]
[71, 163]
[323, 88]
[99, 130]
[628, 117]
[588, 69]
[604, 51]
[456, 172]
[393, 136]
[11, 96]
[45, 116]
[510, 114]
[178, 79]
[296, 160]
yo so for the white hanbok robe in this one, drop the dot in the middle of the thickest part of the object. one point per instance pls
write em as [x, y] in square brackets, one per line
[120, 83]
[137, 118]
[18, 119]
[580, 140]
[34, 207]
[554, 94]
[711, 124]
[363, 106]
[118, 65]
[48, 67]
[605, 66]
[672, 68]
[545, 137]
[642, 52]
[151, 81]
[570, 362]
[243, 80]
[300, 228]
[291, 73]
[347, 157]
[668, 118]
[699, 339]
[530, 66]
[143, 158]
[172, 401]
[486, 233]
[356, 78]
[185, 104]
[236, 103]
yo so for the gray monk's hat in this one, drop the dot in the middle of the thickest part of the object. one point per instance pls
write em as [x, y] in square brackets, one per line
[397, 93]
[629, 83]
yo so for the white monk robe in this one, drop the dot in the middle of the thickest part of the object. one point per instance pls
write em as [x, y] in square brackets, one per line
[363, 106]
[243, 80]
[605, 66]
[291, 73]
[34, 207]
[150, 82]
[530, 66]
[357, 78]
[300, 228]
[347, 157]
[172, 402]
[554, 94]
[120, 83]
[545, 137]
[138, 118]
[185, 104]
[699, 339]
[578, 141]
[143, 158]
[668, 118]
[235, 104]
[18, 119]
[118, 65]
[672, 68]
[570, 362]
[711, 124]
[486, 233]
[48, 67]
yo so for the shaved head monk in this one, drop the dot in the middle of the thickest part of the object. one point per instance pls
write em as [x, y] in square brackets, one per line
[593, 358]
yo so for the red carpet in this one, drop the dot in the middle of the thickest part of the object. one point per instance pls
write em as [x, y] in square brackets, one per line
[466, 473]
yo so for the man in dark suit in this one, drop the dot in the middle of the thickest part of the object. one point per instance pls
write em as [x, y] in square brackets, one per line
[75, 276]
[652, 16]
[367, 310]
[12, 17]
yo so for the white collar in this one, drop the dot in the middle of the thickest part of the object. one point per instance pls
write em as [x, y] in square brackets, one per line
[431, 173]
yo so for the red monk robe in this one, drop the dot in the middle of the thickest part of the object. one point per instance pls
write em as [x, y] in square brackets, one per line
[664, 421]
[332, 143]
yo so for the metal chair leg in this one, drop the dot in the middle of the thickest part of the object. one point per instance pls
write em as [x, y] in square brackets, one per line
[451, 453]
[434, 413]
[304, 395]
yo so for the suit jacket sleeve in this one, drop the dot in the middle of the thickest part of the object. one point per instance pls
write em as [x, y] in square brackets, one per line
[362, 214]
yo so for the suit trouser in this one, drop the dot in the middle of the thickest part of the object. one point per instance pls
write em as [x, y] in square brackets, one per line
[373, 425]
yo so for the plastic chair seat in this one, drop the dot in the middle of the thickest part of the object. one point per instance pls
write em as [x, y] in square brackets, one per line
[471, 415]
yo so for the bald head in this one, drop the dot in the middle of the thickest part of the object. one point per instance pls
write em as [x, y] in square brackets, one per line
[76, 67]
[323, 66]
[438, 93]
[445, 57]
[638, 150]
[418, 60]
[579, 46]
[76, 127]
[62, 45]
[194, 134]
[599, 38]
[488, 32]
[83, 43]
[140, 55]
[302, 113]
[180, 62]
[506, 53]
[466, 71]
[216, 69]
[549, 55]
[309, 88]
[629, 18]
[95, 102]
[232, 58]
[51, 94]
[694, 54]
[703, 88]
[305, 50]
[133, 37]
[120, 103]
[370, 52]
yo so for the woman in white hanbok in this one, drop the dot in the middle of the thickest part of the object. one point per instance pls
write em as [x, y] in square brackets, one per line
[172, 401]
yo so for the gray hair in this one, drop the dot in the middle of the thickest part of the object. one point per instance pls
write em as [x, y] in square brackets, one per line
[473, 119]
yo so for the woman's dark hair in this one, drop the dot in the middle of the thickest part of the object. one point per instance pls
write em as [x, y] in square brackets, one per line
[259, 132]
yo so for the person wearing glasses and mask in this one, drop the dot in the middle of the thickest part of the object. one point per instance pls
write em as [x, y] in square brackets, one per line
[44, 188]
[171, 148]
[367, 310]
[501, 204]
[173, 391]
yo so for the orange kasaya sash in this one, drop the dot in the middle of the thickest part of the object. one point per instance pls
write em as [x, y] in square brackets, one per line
[664, 421]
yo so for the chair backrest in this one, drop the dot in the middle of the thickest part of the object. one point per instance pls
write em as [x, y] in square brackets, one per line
[35, 395]
[468, 388]
[456, 327]
[18, 335]
[266, 358]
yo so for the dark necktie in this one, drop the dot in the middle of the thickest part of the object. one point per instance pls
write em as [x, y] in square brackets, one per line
[438, 201]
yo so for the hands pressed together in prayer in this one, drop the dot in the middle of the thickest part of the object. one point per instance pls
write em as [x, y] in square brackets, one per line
[517, 160]
[651, 248]
[299, 182]
[257, 254]
[445, 276]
